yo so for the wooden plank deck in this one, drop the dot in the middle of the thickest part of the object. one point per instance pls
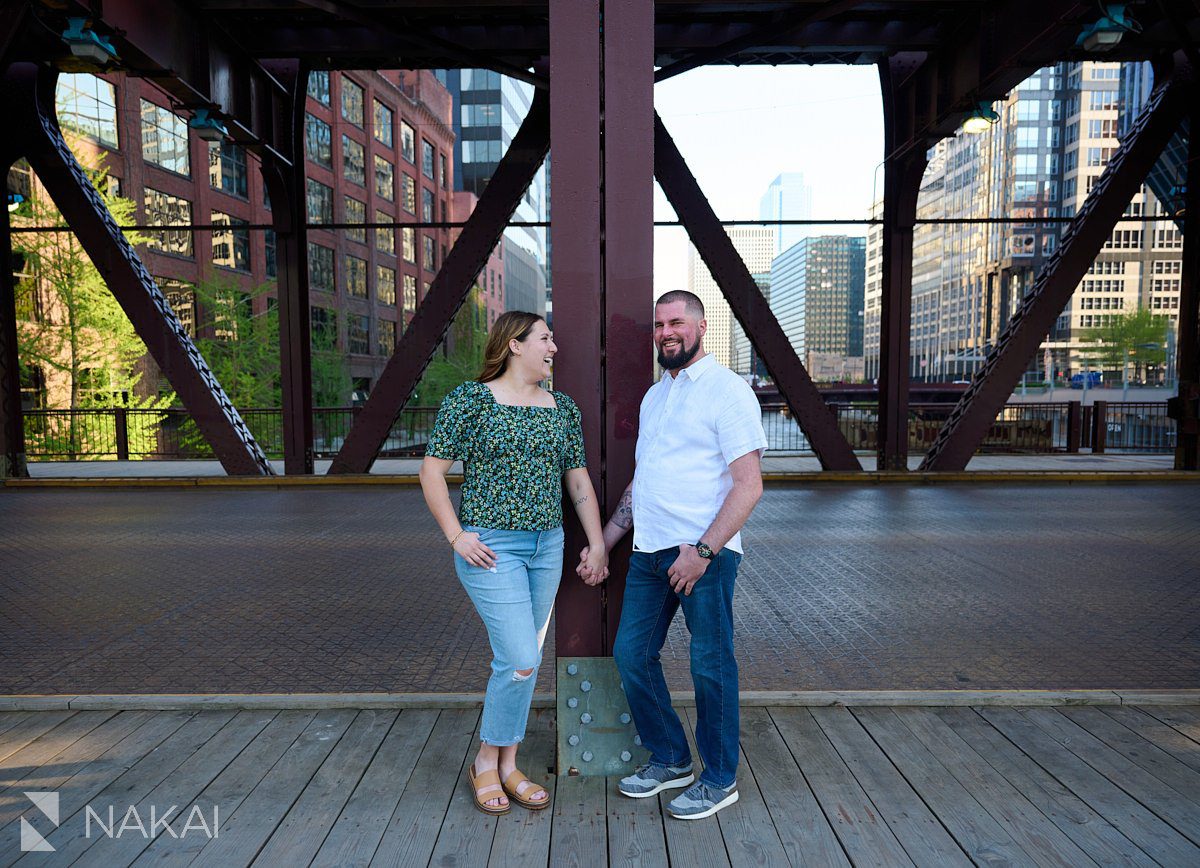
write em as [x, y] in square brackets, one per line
[889, 786]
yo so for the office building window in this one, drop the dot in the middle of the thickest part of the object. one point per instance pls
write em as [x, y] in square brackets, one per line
[430, 258]
[382, 128]
[410, 293]
[230, 246]
[427, 159]
[354, 161]
[318, 85]
[227, 169]
[320, 202]
[385, 179]
[269, 253]
[266, 195]
[182, 299]
[323, 323]
[355, 212]
[408, 245]
[318, 141]
[320, 267]
[409, 193]
[408, 142]
[229, 308]
[443, 174]
[163, 209]
[359, 334]
[386, 339]
[352, 102]
[355, 272]
[87, 105]
[426, 205]
[385, 285]
[385, 239]
[164, 139]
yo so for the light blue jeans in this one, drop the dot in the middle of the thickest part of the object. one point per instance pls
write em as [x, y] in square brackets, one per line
[514, 599]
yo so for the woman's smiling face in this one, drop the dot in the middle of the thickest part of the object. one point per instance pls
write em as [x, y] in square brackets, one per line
[534, 356]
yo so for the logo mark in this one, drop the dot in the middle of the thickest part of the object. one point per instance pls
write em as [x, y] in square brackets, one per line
[31, 839]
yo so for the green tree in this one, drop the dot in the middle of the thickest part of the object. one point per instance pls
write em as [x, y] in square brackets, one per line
[1137, 338]
[460, 357]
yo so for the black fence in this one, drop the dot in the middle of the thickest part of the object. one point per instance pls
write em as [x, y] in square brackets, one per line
[1031, 428]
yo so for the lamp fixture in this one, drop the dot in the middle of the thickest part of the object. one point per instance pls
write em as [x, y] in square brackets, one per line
[14, 201]
[87, 45]
[207, 125]
[980, 118]
[1176, 201]
[1104, 34]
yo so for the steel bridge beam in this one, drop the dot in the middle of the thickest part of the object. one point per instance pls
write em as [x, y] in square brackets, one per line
[12, 429]
[1186, 408]
[448, 292]
[748, 305]
[286, 187]
[1081, 242]
[29, 98]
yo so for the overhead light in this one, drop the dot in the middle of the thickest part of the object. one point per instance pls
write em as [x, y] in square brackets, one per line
[86, 44]
[1176, 201]
[207, 126]
[1103, 35]
[14, 201]
[980, 118]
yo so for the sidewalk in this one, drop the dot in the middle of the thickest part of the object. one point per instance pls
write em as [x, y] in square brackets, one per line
[772, 464]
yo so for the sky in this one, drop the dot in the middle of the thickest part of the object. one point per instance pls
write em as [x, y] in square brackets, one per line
[739, 127]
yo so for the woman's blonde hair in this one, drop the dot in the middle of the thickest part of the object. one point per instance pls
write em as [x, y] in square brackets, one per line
[514, 325]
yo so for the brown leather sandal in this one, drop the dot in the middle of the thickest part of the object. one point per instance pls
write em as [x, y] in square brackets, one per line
[487, 786]
[514, 781]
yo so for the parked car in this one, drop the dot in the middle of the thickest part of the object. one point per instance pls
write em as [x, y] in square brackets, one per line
[1093, 379]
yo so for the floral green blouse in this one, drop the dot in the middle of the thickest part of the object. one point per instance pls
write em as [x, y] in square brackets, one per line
[513, 457]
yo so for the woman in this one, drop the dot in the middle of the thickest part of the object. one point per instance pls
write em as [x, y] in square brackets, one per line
[518, 443]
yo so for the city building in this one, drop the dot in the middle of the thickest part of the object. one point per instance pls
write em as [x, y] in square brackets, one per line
[491, 278]
[817, 297]
[1055, 134]
[787, 198]
[756, 245]
[378, 148]
[745, 359]
[489, 110]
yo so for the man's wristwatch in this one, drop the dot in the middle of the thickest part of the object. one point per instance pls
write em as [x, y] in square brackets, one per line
[704, 551]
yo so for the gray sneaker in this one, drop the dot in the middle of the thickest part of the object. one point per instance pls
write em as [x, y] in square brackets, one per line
[650, 779]
[701, 801]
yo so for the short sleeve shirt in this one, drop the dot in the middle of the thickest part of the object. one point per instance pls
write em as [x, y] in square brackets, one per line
[513, 457]
[692, 427]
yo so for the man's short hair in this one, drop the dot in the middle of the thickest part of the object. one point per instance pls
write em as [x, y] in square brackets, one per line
[691, 301]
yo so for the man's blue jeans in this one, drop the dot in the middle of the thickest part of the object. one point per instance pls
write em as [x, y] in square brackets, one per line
[647, 608]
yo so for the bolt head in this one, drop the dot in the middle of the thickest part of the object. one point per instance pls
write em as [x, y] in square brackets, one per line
[587, 756]
[637, 739]
[626, 756]
[572, 669]
[625, 718]
[585, 686]
[585, 718]
[572, 740]
[572, 702]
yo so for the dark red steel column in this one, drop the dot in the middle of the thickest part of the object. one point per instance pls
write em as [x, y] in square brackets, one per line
[902, 171]
[748, 305]
[12, 434]
[448, 292]
[29, 97]
[1081, 242]
[285, 184]
[628, 255]
[577, 279]
[1186, 409]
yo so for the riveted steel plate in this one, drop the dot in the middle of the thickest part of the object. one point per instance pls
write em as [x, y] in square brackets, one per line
[595, 733]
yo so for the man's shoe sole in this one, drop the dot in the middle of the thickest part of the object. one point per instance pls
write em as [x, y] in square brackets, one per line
[665, 785]
[724, 803]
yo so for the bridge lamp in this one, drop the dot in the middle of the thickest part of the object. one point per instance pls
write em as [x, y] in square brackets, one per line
[208, 126]
[87, 45]
[980, 118]
[1103, 35]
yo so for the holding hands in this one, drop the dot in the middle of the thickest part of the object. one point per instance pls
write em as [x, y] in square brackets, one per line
[593, 565]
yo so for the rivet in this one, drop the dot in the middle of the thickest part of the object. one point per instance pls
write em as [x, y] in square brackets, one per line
[585, 686]
[587, 756]
[572, 771]
[572, 740]
[625, 718]
[585, 718]
[626, 756]
[572, 669]
[572, 702]
[637, 739]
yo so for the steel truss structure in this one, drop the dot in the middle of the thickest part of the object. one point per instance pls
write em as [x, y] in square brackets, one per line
[593, 63]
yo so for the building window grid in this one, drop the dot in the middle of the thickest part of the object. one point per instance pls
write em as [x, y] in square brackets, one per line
[230, 246]
[355, 211]
[165, 139]
[382, 128]
[408, 142]
[359, 334]
[227, 170]
[163, 208]
[385, 285]
[354, 272]
[318, 141]
[354, 161]
[352, 102]
[385, 179]
[385, 239]
[319, 202]
[318, 85]
[320, 267]
[87, 104]
[386, 338]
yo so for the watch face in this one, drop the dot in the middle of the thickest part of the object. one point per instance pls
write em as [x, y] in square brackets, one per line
[704, 551]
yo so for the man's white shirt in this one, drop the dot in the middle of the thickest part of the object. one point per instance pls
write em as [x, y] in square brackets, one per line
[692, 427]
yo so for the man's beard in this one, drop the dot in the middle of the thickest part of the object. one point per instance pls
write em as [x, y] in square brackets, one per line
[680, 359]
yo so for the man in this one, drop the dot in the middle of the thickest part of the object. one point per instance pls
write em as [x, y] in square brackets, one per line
[698, 478]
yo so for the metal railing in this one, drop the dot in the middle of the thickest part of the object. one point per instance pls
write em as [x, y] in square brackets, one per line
[132, 434]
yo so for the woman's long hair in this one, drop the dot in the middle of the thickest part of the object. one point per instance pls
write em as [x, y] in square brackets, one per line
[514, 325]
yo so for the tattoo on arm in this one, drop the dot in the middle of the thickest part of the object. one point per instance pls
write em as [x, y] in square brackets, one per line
[623, 517]
[581, 500]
